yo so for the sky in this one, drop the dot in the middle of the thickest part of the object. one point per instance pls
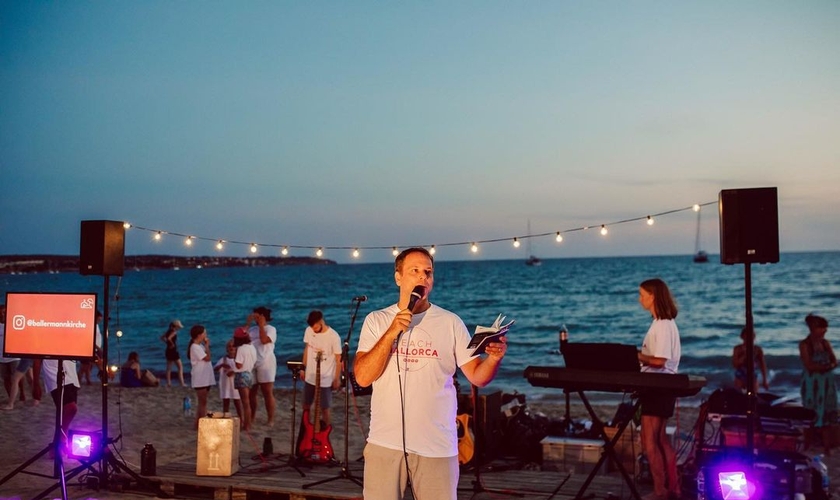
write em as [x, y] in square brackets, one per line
[389, 124]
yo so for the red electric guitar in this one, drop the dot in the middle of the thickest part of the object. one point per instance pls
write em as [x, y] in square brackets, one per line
[315, 445]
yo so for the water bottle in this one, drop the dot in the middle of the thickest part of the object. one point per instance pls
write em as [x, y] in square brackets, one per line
[820, 467]
[564, 337]
[187, 406]
[148, 460]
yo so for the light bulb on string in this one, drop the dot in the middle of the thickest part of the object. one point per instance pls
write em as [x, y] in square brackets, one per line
[604, 230]
[319, 252]
[126, 225]
[474, 248]
[356, 253]
[220, 244]
[119, 333]
[284, 251]
[188, 241]
[394, 251]
[432, 250]
[558, 237]
[253, 248]
[158, 236]
[516, 243]
[696, 207]
[649, 220]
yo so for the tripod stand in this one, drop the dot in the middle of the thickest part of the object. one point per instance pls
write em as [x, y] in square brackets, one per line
[477, 485]
[55, 446]
[348, 388]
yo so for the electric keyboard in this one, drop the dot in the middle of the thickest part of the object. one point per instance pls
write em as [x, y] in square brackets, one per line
[677, 385]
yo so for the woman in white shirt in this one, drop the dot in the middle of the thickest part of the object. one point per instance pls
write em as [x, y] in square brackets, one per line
[660, 353]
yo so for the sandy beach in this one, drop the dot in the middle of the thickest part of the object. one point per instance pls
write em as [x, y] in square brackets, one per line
[154, 415]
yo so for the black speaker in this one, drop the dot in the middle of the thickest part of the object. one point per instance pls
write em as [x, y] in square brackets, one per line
[749, 226]
[102, 248]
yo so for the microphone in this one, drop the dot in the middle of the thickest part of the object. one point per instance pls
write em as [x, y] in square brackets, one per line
[564, 337]
[360, 298]
[416, 295]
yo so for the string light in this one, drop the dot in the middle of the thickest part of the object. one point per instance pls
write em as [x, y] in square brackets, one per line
[126, 225]
[356, 251]
[395, 252]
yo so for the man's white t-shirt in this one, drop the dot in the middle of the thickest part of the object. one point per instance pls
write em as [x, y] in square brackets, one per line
[329, 343]
[430, 352]
[663, 341]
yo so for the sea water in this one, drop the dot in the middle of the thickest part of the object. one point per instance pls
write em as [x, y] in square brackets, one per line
[596, 298]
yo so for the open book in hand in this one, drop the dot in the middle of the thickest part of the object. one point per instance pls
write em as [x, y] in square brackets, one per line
[486, 334]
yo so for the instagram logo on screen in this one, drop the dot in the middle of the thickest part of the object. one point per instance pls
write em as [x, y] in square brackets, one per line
[19, 322]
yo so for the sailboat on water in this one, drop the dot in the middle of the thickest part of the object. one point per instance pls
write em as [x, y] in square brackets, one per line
[532, 259]
[700, 256]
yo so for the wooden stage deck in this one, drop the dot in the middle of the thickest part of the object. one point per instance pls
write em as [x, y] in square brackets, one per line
[275, 479]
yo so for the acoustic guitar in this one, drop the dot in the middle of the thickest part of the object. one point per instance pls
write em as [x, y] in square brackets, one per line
[315, 445]
[466, 440]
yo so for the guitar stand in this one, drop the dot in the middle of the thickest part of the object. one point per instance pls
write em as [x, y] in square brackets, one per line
[477, 485]
[345, 472]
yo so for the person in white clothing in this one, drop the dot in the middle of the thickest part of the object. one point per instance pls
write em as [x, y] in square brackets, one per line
[202, 374]
[263, 338]
[65, 396]
[246, 359]
[410, 356]
[660, 353]
[320, 338]
[226, 368]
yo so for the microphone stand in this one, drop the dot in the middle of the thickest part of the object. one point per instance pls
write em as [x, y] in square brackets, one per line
[348, 390]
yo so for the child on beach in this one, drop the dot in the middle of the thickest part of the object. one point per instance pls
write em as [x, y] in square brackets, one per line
[243, 381]
[226, 367]
[203, 376]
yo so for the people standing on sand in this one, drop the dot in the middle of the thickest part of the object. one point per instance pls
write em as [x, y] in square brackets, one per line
[201, 374]
[319, 338]
[410, 355]
[244, 362]
[170, 338]
[226, 368]
[263, 338]
[739, 362]
[818, 388]
[14, 371]
[660, 353]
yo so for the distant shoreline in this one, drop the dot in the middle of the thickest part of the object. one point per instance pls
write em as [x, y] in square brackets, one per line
[27, 264]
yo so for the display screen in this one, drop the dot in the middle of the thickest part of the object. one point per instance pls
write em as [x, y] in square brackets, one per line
[50, 325]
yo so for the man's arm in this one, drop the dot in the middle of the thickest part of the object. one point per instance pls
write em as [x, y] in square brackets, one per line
[481, 372]
[369, 366]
